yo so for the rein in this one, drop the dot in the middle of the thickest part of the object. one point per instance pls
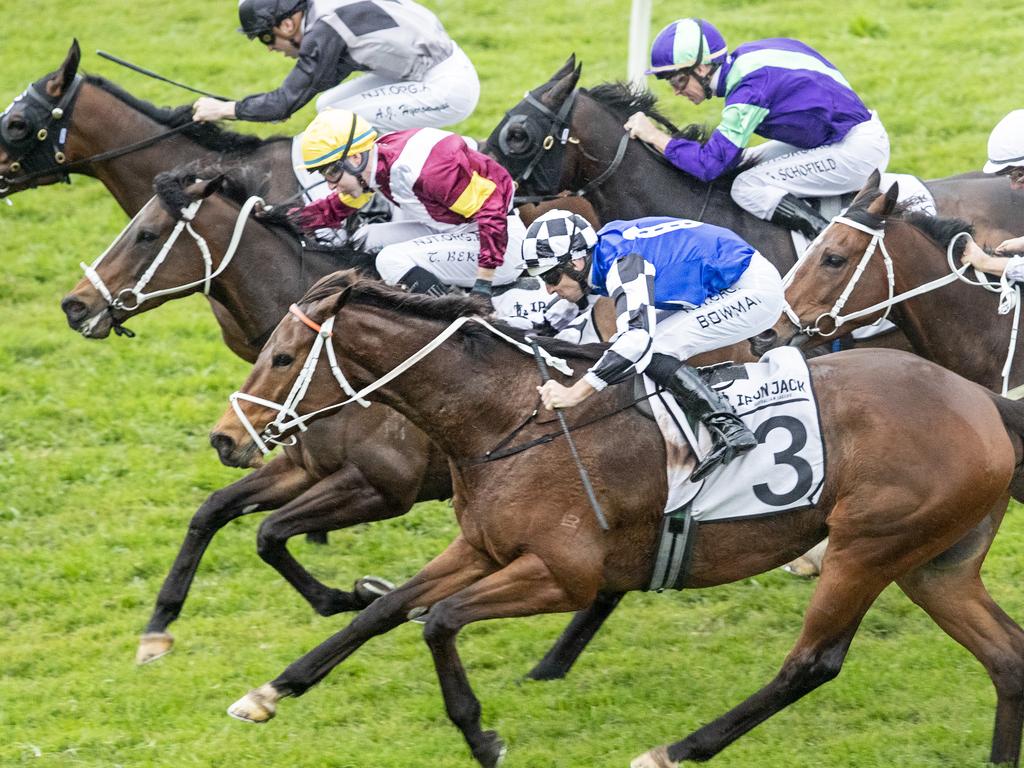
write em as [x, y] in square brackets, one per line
[130, 299]
[1009, 295]
[280, 425]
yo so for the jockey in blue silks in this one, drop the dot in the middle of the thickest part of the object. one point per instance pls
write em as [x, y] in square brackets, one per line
[680, 288]
[823, 140]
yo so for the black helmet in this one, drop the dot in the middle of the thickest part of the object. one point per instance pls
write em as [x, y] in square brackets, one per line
[259, 16]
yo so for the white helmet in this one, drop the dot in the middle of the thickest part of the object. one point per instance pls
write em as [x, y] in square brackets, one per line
[554, 238]
[1006, 143]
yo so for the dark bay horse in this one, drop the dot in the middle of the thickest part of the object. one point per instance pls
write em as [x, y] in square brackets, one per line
[359, 466]
[956, 325]
[626, 179]
[530, 543]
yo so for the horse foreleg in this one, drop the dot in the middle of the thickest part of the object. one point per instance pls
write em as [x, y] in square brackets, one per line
[574, 639]
[525, 587]
[342, 499]
[267, 487]
[455, 568]
[959, 603]
[842, 597]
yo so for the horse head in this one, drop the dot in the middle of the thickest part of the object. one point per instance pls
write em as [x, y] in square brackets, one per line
[285, 375]
[34, 128]
[829, 278]
[531, 139]
[149, 262]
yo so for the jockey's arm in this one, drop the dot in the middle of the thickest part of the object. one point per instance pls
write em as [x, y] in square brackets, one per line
[630, 284]
[328, 213]
[322, 64]
[1012, 266]
[724, 149]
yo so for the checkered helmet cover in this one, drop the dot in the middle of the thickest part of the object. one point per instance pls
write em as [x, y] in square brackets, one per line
[555, 238]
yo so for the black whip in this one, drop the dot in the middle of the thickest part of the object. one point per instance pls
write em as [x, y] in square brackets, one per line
[587, 486]
[155, 76]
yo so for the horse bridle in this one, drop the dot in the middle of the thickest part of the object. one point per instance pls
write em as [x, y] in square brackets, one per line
[549, 152]
[130, 299]
[47, 129]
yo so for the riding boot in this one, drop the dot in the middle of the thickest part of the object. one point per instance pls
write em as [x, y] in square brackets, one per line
[420, 280]
[797, 214]
[729, 435]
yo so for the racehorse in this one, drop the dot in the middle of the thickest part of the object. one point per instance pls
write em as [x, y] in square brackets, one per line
[562, 137]
[359, 466]
[955, 324]
[530, 542]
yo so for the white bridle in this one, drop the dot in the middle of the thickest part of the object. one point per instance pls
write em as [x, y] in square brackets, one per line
[1009, 294]
[137, 294]
[287, 417]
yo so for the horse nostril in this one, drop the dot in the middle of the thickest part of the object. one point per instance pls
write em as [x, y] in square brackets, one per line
[74, 310]
[223, 444]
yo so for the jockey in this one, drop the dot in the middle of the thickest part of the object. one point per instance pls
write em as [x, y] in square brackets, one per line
[1005, 158]
[680, 288]
[454, 201]
[824, 140]
[417, 75]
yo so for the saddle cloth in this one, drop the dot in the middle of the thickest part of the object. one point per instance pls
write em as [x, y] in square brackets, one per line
[786, 470]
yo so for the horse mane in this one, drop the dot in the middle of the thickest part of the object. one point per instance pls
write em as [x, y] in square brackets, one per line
[207, 135]
[238, 184]
[374, 293]
[941, 230]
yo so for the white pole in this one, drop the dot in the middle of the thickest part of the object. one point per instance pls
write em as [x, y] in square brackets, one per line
[639, 35]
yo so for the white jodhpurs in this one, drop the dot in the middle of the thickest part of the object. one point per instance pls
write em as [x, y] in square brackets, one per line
[751, 305]
[781, 169]
[450, 253]
[447, 95]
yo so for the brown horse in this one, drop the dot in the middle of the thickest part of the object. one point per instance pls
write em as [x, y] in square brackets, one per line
[920, 463]
[955, 325]
[357, 467]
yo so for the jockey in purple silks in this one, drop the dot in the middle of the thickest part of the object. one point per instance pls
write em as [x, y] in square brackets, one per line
[823, 140]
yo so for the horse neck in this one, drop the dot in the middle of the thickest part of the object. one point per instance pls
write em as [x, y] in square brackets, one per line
[645, 185]
[956, 326]
[103, 123]
[464, 403]
[268, 273]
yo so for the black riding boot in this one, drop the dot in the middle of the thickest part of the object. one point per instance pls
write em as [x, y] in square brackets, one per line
[730, 436]
[420, 280]
[794, 213]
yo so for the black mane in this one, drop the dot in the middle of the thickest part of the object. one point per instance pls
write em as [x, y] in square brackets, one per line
[940, 230]
[374, 293]
[624, 99]
[207, 135]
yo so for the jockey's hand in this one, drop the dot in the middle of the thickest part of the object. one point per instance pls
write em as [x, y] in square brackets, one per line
[977, 258]
[639, 126]
[207, 110]
[1007, 247]
[554, 395]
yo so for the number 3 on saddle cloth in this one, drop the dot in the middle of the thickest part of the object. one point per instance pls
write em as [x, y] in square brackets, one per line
[786, 470]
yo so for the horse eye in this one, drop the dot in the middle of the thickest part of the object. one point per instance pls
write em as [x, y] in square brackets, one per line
[518, 139]
[145, 236]
[831, 259]
[17, 128]
[282, 360]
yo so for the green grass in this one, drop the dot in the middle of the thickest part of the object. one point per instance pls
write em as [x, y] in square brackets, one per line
[104, 459]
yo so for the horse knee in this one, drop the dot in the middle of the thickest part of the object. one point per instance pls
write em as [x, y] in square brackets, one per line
[439, 626]
[268, 540]
[214, 513]
[808, 671]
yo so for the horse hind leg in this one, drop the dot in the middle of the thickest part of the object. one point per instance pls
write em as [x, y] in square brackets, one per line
[574, 638]
[953, 594]
[844, 593]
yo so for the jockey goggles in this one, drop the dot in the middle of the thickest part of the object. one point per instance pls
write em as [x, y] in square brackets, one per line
[267, 37]
[678, 79]
[1015, 172]
[339, 168]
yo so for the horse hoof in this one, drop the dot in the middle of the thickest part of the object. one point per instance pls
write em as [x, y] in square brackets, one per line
[802, 567]
[153, 645]
[257, 706]
[656, 758]
[493, 750]
[369, 588]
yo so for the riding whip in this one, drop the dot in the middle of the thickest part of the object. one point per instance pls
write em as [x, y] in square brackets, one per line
[155, 76]
[544, 377]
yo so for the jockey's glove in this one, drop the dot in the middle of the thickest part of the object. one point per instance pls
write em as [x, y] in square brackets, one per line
[482, 287]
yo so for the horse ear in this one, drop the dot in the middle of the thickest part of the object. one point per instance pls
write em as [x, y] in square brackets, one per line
[892, 196]
[62, 78]
[565, 69]
[563, 87]
[870, 187]
[203, 188]
[339, 302]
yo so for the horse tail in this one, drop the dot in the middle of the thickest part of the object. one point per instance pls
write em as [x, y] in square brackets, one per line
[1012, 413]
